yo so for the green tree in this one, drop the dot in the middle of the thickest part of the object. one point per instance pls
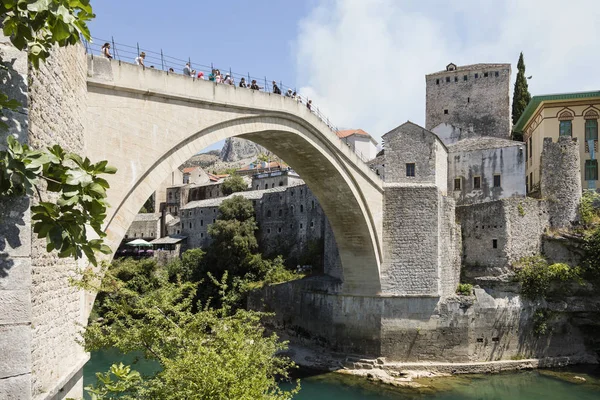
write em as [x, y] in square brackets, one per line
[78, 196]
[209, 354]
[233, 184]
[521, 96]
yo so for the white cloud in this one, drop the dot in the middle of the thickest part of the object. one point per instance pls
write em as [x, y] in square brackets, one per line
[364, 62]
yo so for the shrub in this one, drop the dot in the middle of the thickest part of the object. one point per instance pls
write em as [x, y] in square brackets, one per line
[521, 210]
[234, 184]
[464, 289]
[536, 276]
[588, 208]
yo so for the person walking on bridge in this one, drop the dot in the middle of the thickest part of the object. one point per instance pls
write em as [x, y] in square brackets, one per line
[187, 71]
[276, 89]
[254, 85]
[106, 50]
[140, 59]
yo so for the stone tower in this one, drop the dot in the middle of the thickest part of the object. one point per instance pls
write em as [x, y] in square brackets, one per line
[471, 100]
[561, 180]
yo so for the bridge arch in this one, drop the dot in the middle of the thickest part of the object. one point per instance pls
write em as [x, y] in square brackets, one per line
[147, 124]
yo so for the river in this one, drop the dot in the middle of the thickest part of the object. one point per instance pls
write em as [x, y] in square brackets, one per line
[522, 385]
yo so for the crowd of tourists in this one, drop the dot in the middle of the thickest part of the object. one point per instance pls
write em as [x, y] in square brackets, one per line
[215, 76]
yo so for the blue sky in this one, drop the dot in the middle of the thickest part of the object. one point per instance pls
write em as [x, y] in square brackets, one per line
[363, 62]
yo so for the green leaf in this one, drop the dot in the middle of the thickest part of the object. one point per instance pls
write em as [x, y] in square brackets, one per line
[78, 177]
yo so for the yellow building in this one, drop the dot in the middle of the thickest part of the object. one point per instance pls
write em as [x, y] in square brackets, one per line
[566, 114]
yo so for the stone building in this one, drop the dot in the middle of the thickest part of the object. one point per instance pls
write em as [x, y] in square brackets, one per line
[146, 226]
[271, 179]
[419, 215]
[486, 169]
[290, 220]
[552, 116]
[360, 141]
[472, 100]
[415, 155]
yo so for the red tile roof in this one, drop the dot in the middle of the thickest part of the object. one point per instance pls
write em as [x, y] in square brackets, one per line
[189, 169]
[349, 132]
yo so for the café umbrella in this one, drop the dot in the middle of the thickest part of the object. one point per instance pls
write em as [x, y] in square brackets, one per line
[139, 243]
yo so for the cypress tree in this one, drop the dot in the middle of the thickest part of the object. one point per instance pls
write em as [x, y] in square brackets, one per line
[521, 96]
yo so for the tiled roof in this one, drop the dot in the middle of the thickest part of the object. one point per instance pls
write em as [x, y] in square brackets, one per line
[189, 170]
[173, 222]
[350, 132]
[481, 143]
[471, 67]
[250, 195]
[171, 239]
[147, 217]
[536, 101]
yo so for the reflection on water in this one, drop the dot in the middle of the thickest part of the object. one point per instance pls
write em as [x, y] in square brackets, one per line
[524, 385]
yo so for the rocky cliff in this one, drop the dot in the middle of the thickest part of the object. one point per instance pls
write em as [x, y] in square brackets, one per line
[236, 149]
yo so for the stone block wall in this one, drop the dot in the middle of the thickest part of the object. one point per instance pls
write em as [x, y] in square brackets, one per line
[57, 106]
[561, 180]
[478, 106]
[485, 327]
[419, 242]
[497, 234]
[41, 310]
[15, 244]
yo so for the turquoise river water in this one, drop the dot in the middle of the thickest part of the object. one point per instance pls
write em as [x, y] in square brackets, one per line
[560, 384]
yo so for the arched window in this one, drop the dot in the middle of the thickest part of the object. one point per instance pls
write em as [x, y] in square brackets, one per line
[280, 212]
[565, 119]
[301, 208]
[268, 213]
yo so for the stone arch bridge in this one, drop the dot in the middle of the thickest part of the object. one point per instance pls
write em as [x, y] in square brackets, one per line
[147, 123]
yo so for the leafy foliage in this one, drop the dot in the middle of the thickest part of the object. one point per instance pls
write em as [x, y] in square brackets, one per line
[209, 354]
[233, 184]
[521, 95]
[589, 213]
[536, 276]
[118, 381]
[36, 25]
[77, 193]
[79, 196]
[464, 289]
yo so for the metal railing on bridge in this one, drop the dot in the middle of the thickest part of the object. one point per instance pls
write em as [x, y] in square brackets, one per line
[169, 64]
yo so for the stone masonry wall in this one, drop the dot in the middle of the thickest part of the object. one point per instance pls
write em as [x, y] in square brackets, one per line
[484, 327]
[57, 99]
[513, 226]
[411, 232]
[561, 180]
[478, 106]
[449, 249]
[15, 244]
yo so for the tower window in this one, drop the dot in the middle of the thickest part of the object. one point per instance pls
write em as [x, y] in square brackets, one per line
[457, 184]
[497, 74]
[410, 169]
[497, 181]
[456, 79]
[476, 182]
[446, 111]
[447, 79]
[495, 243]
[476, 76]
[468, 99]
[301, 208]
[465, 78]
[280, 212]
[437, 81]
[485, 74]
